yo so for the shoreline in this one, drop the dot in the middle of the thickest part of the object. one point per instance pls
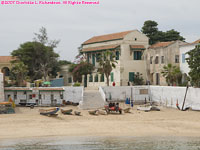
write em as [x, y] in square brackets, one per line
[28, 123]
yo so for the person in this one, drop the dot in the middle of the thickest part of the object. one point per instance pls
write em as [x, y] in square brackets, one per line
[113, 83]
[117, 107]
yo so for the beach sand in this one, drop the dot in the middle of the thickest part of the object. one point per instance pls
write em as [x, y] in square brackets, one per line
[28, 123]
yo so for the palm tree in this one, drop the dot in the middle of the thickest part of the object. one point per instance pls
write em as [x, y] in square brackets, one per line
[106, 63]
[19, 71]
[172, 74]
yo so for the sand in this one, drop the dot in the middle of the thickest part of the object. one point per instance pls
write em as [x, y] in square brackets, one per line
[28, 123]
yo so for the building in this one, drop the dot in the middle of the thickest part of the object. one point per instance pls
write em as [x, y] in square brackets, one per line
[66, 75]
[1, 88]
[183, 63]
[128, 48]
[159, 55]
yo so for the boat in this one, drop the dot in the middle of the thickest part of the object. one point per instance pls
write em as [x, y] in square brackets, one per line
[146, 109]
[78, 113]
[67, 112]
[49, 112]
[127, 110]
[92, 112]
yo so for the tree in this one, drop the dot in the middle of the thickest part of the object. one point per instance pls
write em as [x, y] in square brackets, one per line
[194, 64]
[172, 74]
[138, 79]
[39, 56]
[150, 29]
[19, 73]
[106, 63]
[77, 70]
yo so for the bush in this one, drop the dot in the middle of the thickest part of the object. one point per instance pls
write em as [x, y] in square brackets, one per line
[77, 84]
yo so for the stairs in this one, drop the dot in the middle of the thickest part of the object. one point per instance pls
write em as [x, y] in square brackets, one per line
[92, 100]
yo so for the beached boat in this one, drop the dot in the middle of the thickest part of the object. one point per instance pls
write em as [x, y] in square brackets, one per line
[127, 110]
[92, 112]
[78, 113]
[67, 112]
[142, 108]
[49, 112]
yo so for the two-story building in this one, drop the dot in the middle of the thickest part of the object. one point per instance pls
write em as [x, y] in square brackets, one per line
[128, 47]
[159, 55]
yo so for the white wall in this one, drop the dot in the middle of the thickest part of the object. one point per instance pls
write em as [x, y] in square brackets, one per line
[73, 94]
[1, 88]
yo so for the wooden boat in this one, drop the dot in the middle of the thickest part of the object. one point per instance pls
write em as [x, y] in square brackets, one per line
[49, 112]
[102, 112]
[67, 112]
[127, 110]
[78, 113]
[146, 109]
[92, 112]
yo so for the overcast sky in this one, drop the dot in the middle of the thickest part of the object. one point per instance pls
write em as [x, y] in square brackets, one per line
[75, 24]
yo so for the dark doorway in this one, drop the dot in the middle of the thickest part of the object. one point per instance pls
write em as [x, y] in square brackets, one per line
[85, 81]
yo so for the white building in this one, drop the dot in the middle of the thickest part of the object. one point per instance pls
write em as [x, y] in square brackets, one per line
[128, 47]
[183, 50]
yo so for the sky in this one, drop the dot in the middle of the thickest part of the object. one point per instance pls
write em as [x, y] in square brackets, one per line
[74, 24]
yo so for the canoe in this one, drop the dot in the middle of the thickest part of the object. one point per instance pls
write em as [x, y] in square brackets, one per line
[67, 112]
[48, 112]
[146, 109]
[92, 112]
[78, 113]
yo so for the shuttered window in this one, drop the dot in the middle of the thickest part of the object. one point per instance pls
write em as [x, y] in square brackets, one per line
[131, 76]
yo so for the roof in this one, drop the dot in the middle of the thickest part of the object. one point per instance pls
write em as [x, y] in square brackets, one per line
[107, 37]
[17, 89]
[161, 44]
[6, 59]
[196, 42]
[137, 46]
[100, 48]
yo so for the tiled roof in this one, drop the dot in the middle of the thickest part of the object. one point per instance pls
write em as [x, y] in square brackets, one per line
[161, 44]
[99, 48]
[17, 89]
[137, 46]
[6, 59]
[107, 37]
[49, 89]
[196, 42]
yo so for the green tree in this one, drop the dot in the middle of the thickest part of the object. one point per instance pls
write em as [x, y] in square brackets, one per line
[106, 63]
[19, 73]
[138, 79]
[77, 70]
[172, 74]
[194, 64]
[39, 56]
[150, 29]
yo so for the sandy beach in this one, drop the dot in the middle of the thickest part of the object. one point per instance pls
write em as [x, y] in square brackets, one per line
[27, 123]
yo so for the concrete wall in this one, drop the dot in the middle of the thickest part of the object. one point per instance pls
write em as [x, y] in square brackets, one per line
[1, 88]
[73, 94]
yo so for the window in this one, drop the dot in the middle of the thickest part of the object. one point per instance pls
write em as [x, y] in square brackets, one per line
[137, 55]
[157, 79]
[30, 96]
[176, 58]
[156, 60]
[112, 76]
[183, 58]
[15, 96]
[24, 92]
[91, 78]
[61, 95]
[52, 96]
[93, 59]
[162, 59]
[98, 56]
[96, 78]
[40, 96]
[117, 55]
[88, 58]
[131, 76]
[102, 77]
[151, 59]
[69, 80]
[135, 39]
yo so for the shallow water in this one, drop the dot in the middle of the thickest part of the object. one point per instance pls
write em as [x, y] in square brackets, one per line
[102, 143]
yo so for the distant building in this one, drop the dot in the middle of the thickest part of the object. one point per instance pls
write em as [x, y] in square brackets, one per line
[66, 75]
[5, 65]
[128, 47]
[159, 55]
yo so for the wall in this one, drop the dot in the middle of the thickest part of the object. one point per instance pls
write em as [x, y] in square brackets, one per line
[1, 88]
[73, 94]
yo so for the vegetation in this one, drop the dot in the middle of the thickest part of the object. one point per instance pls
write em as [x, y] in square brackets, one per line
[138, 79]
[172, 74]
[150, 29]
[194, 65]
[39, 56]
[107, 63]
[77, 70]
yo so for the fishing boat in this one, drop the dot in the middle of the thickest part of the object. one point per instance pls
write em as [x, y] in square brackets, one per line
[92, 112]
[67, 112]
[49, 112]
[78, 113]
[146, 109]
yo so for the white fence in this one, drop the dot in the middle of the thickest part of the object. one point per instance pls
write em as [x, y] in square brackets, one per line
[73, 94]
[165, 95]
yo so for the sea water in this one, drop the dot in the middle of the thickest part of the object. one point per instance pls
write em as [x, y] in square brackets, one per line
[102, 143]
